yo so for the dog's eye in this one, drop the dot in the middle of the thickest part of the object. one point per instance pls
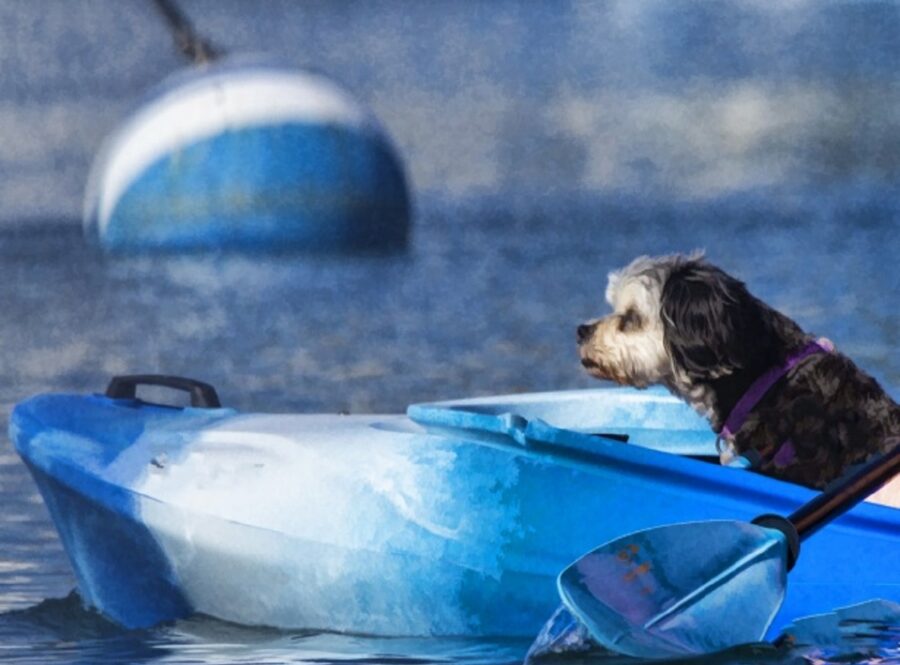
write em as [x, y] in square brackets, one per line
[630, 321]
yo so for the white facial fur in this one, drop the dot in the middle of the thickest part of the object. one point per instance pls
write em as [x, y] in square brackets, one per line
[627, 345]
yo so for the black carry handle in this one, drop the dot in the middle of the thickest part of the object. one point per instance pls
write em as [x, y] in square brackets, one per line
[203, 395]
[846, 493]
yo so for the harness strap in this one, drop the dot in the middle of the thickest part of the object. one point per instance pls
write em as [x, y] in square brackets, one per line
[765, 381]
[785, 454]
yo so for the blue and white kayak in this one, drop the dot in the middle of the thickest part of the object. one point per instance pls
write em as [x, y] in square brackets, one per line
[454, 519]
[245, 154]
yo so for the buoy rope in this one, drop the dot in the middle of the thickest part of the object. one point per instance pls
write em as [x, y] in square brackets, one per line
[195, 47]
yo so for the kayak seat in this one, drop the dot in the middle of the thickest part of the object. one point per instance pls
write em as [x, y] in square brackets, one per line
[575, 420]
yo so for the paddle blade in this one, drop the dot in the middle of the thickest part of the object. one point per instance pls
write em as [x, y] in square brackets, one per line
[680, 589]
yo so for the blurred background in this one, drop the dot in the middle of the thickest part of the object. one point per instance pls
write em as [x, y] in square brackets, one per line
[544, 142]
[682, 100]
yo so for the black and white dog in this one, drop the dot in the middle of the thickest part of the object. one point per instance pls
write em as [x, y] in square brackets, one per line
[773, 392]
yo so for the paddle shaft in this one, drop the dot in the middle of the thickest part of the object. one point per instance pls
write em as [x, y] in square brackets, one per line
[812, 516]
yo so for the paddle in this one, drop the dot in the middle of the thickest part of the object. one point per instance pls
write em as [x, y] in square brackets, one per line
[699, 587]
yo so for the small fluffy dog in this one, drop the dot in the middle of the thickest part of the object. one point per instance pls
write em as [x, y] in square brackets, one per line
[802, 411]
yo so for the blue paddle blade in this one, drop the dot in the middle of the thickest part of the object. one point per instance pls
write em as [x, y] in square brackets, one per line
[680, 589]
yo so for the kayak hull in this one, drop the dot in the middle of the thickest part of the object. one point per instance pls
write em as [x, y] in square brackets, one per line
[455, 520]
[115, 558]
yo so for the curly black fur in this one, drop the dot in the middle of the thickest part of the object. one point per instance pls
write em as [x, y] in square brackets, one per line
[721, 338]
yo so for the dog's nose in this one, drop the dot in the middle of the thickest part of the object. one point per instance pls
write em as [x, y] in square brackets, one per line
[584, 331]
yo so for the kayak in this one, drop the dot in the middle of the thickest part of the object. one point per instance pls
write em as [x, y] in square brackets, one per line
[453, 519]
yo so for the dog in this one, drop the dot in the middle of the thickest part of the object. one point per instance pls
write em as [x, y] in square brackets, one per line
[799, 409]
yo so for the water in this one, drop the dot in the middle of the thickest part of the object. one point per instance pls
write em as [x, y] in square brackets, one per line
[486, 301]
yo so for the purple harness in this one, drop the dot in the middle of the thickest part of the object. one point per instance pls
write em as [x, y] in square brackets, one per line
[757, 390]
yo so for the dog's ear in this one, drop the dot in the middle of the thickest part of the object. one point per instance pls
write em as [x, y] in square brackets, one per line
[712, 326]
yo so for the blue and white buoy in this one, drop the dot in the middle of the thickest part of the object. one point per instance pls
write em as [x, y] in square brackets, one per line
[248, 155]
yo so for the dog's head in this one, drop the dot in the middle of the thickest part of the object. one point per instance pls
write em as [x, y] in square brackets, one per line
[676, 320]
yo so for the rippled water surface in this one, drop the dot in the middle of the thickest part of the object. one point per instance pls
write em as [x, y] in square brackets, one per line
[486, 301]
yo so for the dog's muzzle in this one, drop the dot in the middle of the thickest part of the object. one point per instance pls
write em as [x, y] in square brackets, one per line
[584, 332]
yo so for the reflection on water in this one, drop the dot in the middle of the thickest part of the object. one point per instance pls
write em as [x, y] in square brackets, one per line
[486, 301]
[61, 631]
